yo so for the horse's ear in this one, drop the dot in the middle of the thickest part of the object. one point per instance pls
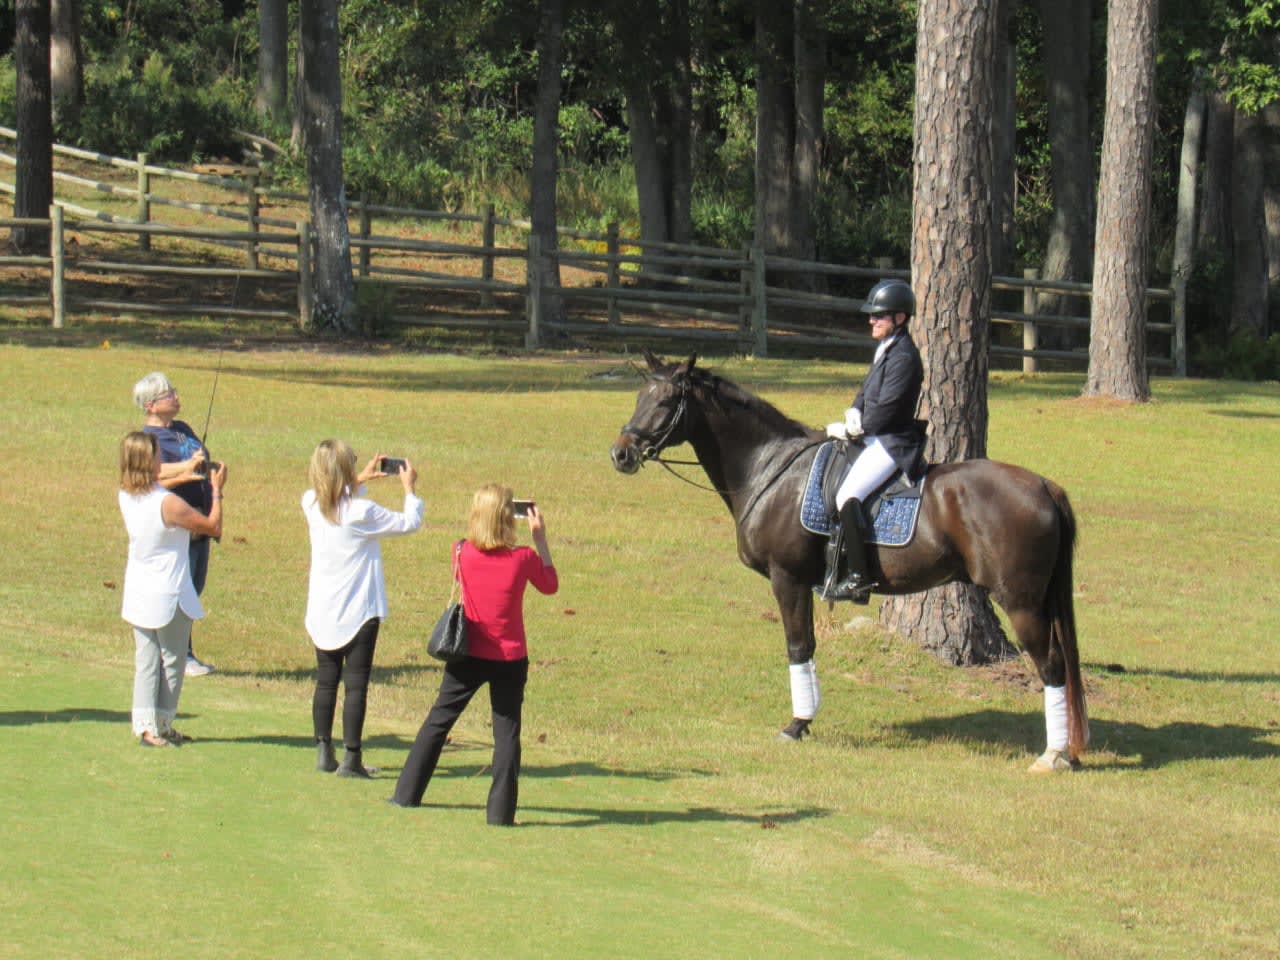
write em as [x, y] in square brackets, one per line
[687, 367]
[653, 362]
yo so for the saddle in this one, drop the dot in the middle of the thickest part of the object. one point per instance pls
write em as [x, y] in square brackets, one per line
[891, 509]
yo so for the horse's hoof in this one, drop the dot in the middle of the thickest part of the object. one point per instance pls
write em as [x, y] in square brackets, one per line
[796, 730]
[1052, 761]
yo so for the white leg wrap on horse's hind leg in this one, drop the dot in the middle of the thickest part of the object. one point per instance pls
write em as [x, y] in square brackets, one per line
[1054, 759]
[1055, 718]
[805, 696]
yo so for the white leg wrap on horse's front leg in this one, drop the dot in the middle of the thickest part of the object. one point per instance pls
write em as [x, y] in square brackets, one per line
[1055, 718]
[805, 696]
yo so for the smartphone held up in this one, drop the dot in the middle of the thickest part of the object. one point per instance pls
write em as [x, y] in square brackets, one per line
[521, 507]
[391, 465]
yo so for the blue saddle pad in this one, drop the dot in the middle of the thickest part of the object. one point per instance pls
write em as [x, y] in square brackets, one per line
[894, 519]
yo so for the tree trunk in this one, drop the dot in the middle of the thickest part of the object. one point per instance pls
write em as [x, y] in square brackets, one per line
[1185, 227]
[33, 180]
[1248, 230]
[951, 266]
[1117, 339]
[1271, 205]
[321, 88]
[1004, 138]
[66, 62]
[1213, 229]
[1067, 31]
[775, 125]
[679, 122]
[646, 159]
[545, 148]
[273, 61]
[810, 59]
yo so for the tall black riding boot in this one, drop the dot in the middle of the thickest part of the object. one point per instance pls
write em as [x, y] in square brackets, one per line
[856, 585]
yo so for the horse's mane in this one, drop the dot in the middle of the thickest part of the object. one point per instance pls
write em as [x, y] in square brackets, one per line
[723, 392]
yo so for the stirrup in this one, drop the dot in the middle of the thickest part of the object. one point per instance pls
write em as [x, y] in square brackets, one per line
[851, 588]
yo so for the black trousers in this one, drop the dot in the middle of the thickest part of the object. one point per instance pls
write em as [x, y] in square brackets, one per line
[351, 664]
[506, 679]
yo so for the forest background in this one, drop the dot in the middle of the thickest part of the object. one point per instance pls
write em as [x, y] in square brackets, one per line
[439, 108]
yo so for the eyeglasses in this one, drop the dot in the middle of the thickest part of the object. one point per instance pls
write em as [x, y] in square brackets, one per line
[167, 395]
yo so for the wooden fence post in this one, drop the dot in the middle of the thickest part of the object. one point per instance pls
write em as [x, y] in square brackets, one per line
[144, 201]
[884, 264]
[1030, 335]
[57, 269]
[486, 262]
[306, 297]
[251, 184]
[613, 249]
[366, 231]
[760, 305]
[533, 301]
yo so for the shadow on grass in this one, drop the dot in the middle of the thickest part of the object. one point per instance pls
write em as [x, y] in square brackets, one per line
[1195, 676]
[579, 817]
[25, 718]
[380, 675]
[1138, 746]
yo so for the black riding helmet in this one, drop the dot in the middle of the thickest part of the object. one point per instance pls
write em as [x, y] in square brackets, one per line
[890, 296]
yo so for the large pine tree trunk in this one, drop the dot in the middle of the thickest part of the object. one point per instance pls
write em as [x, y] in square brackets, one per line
[273, 60]
[1248, 230]
[1117, 340]
[33, 181]
[66, 62]
[322, 132]
[951, 268]
[1067, 31]
[775, 125]
[545, 147]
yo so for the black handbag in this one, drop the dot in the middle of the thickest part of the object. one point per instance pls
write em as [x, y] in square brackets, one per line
[448, 641]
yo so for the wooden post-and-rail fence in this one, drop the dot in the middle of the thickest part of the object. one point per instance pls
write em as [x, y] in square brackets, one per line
[691, 292]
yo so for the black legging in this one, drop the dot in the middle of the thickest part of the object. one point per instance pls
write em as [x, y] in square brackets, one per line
[354, 662]
[461, 680]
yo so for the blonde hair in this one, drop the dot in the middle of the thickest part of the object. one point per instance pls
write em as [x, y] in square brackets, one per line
[149, 387]
[138, 451]
[333, 476]
[492, 522]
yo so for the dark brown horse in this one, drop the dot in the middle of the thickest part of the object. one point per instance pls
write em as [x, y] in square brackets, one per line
[995, 525]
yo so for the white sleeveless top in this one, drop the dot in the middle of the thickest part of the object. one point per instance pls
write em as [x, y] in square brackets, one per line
[157, 578]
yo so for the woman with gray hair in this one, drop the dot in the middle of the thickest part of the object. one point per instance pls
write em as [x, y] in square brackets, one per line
[184, 469]
[159, 600]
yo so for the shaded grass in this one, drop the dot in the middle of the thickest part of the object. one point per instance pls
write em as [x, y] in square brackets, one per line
[657, 811]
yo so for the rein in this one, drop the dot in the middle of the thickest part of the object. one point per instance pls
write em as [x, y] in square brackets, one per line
[653, 445]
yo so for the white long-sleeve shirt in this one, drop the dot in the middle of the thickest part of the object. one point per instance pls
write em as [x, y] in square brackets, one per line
[346, 585]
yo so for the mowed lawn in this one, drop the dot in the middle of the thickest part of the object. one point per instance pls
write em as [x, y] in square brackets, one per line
[659, 814]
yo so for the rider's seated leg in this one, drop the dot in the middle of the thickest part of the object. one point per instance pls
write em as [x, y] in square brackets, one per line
[854, 584]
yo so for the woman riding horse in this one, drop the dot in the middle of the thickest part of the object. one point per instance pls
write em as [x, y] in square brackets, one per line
[884, 416]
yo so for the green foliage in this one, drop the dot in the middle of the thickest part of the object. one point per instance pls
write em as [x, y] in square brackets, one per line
[1241, 356]
[129, 111]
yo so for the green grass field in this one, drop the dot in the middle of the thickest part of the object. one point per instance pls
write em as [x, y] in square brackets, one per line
[659, 816]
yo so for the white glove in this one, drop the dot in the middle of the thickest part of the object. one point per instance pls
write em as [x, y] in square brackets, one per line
[853, 423]
[836, 431]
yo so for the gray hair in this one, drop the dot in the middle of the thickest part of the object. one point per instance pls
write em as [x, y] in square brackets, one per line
[149, 387]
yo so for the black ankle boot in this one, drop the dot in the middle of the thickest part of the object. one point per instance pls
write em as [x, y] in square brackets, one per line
[326, 762]
[352, 767]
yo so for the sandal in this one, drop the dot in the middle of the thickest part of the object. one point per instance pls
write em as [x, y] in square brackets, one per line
[176, 738]
[152, 740]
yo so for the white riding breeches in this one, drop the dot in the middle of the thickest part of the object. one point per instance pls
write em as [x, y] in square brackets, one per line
[872, 468]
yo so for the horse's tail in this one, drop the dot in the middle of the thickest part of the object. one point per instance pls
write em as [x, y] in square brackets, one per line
[1060, 608]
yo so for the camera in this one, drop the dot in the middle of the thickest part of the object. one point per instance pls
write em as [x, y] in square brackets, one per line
[391, 465]
[521, 507]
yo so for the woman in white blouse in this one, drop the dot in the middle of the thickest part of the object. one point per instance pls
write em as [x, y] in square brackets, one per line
[159, 600]
[347, 598]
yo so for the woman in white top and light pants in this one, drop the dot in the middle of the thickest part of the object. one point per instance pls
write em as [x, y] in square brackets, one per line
[159, 599]
[346, 598]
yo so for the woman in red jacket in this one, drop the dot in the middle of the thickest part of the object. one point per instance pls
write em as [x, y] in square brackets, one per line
[493, 572]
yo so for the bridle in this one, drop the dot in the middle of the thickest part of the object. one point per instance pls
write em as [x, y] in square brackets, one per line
[654, 441]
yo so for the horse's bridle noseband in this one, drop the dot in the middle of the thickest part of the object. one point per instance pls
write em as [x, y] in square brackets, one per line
[653, 442]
